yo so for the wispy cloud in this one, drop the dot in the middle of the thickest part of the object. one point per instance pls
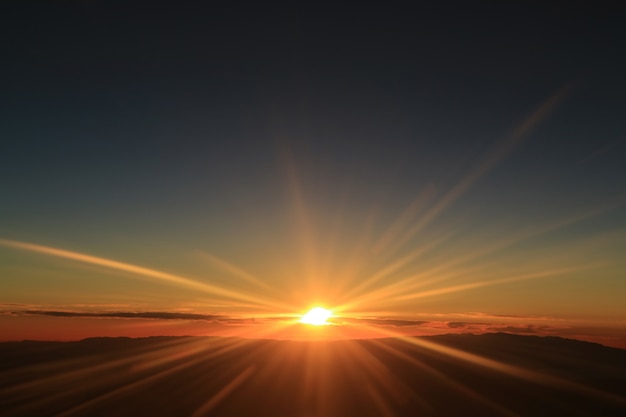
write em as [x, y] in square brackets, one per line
[224, 324]
[462, 324]
[142, 315]
[155, 315]
[379, 322]
[528, 329]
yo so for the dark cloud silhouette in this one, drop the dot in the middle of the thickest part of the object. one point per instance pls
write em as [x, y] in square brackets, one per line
[528, 329]
[240, 321]
[379, 322]
[145, 315]
[499, 327]
[160, 315]
[466, 325]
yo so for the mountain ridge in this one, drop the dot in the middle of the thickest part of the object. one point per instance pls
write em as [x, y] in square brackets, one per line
[446, 375]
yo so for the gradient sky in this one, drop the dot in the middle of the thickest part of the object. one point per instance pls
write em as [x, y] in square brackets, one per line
[460, 167]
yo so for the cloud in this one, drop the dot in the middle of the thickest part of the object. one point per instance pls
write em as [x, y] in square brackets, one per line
[155, 315]
[528, 329]
[379, 322]
[465, 325]
[501, 327]
[9, 313]
[457, 324]
[489, 316]
[144, 315]
[2, 305]
[517, 329]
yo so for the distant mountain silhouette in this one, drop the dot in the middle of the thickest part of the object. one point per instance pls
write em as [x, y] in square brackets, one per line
[449, 375]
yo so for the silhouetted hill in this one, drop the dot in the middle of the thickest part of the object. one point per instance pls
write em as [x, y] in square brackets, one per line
[450, 375]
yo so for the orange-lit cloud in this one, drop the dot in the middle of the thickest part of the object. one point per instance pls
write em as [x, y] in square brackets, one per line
[66, 325]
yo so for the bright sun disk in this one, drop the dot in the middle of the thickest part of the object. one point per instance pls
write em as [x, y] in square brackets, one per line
[316, 316]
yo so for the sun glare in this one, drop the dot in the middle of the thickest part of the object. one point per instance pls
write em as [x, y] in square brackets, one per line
[316, 316]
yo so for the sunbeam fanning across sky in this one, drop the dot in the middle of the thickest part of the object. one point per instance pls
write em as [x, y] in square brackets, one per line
[145, 272]
[252, 209]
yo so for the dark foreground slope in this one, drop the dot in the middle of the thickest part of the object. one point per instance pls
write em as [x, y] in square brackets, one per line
[454, 375]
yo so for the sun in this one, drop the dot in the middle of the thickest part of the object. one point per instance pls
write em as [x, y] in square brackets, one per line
[316, 316]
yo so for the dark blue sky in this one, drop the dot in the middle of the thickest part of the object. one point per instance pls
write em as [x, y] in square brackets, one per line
[172, 121]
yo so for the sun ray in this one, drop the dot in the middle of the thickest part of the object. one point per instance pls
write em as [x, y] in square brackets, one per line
[145, 272]
[535, 377]
[224, 392]
[305, 231]
[350, 268]
[235, 270]
[398, 264]
[499, 151]
[140, 369]
[438, 272]
[82, 370]
[461, 388]
[397, 227]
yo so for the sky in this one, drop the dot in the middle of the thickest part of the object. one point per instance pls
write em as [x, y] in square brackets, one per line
[186, 168]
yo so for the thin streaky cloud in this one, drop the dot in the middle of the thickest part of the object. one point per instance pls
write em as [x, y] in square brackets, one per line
[129, 315]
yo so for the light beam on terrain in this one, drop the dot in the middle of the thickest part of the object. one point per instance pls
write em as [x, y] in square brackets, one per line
[140, 368]
[467, 391]
[224, 392]
[505, 368]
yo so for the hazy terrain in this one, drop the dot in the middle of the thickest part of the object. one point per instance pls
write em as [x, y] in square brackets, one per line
[452, 375]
